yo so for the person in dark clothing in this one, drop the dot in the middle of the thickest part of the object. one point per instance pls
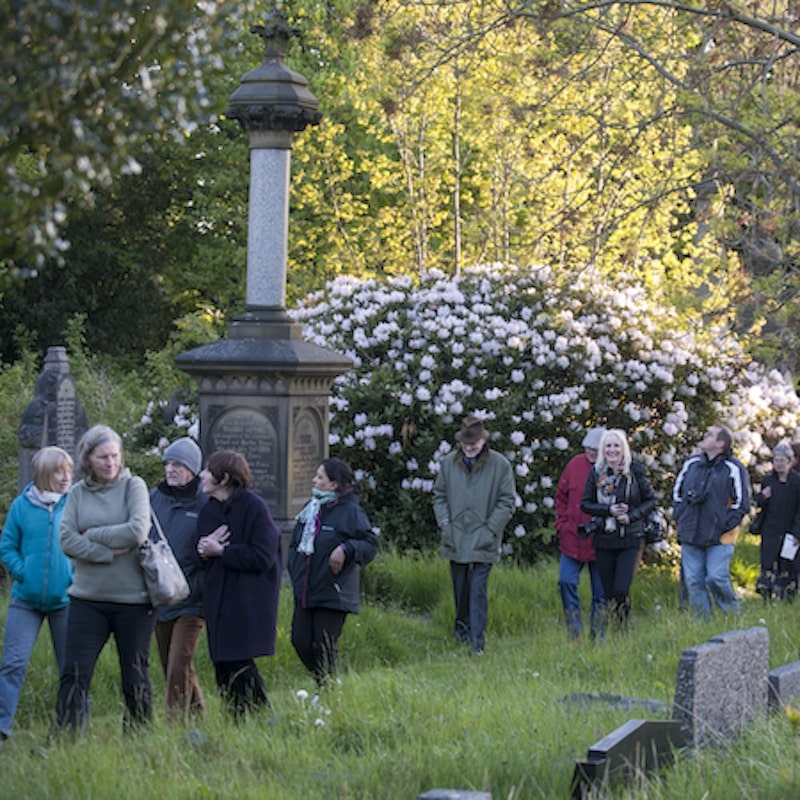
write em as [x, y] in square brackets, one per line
[331, 541]
[176, 503]
[239, 547]
[710, 498]
[619, 496]
[779, 505]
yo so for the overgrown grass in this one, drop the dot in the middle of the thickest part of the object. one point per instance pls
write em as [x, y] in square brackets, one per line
[413, 710]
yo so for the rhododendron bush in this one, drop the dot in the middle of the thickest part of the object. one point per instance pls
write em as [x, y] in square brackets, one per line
[540, 362]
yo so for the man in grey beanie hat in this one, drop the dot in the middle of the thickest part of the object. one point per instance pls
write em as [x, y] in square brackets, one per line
[176, 502]
[185, 451]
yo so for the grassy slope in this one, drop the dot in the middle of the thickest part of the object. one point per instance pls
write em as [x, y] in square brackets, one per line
[414, 711]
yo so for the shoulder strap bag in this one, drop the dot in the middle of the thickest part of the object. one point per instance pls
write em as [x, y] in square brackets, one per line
[163, 576]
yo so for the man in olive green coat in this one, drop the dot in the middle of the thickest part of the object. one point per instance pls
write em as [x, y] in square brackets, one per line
[473, 500]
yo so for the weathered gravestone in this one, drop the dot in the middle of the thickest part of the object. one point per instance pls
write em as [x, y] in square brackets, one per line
[784, 686]
[54, 417]
[722, 685]
[635, 749]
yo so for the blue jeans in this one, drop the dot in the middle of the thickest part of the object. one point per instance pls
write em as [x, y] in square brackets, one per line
[471, 595]
[22, 629]
[569, 574]
[706, 572]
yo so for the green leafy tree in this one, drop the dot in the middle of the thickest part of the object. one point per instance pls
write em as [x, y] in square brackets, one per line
[86, 88]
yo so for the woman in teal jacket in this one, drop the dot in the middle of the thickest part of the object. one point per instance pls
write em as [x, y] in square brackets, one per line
[30, 550]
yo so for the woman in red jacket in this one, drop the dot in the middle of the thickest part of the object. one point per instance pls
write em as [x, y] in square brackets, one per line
[574, 541]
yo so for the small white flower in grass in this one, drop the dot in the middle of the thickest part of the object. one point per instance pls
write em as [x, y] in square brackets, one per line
[423, 394]
[522, 470]
[319, 722]
[649, 658]
[517, 438]
[546, 482]
[517, 376]
[519, 531]
[405, 399]
[301, 694]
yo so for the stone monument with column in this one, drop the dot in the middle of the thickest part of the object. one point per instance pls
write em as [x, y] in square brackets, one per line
[55, 416]
[263, 389]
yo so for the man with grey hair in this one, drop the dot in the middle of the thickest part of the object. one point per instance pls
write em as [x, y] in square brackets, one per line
[575, 541]
[710, 497]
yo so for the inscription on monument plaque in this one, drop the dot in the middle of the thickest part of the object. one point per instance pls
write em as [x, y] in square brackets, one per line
[252, 434]
[307, 454]
[65, 416]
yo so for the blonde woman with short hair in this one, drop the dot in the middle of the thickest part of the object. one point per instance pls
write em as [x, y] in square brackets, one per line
[40, 571]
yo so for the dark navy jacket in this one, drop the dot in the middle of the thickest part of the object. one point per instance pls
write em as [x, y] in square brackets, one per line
[709, 498]
[341, 522]
[177, 510]
[242, 586]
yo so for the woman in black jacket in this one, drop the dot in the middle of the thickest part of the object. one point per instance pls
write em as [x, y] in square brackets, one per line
[619, 497]
[331, 541]
[779, 506]
[239, 547]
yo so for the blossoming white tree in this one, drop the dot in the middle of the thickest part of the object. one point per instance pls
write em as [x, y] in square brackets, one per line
[540, 361]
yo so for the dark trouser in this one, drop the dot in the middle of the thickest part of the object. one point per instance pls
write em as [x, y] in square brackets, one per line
[471, 595]
[177, 641]
[241, 685]
[89, 626]
[315, 637]
[617, 568]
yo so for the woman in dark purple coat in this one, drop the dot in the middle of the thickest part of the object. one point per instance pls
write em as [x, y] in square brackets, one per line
[239, 545]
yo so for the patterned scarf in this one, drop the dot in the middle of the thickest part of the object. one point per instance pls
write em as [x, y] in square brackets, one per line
[309, 516]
